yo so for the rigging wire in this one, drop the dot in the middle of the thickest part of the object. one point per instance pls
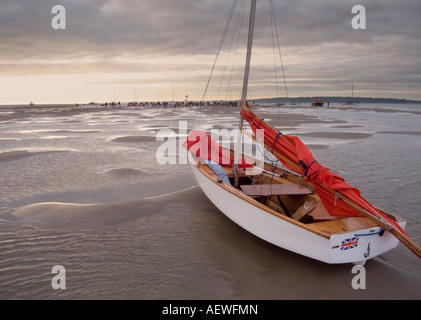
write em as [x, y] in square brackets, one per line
[274, 54]
[275, 29]
[230, 51]
[196, 121]
[241, 11]
[279, 47]
[221, 42]
[237, 32]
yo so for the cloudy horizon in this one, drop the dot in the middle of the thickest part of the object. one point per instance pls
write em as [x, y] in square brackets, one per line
[155, 50]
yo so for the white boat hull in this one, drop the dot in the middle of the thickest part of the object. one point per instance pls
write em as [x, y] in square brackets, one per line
[294, 237]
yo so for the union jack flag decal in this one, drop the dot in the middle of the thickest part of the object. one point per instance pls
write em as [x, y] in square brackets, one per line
[350, 243]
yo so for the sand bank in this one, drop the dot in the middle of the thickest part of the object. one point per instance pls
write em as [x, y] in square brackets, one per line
[134, 139]
[337, 135]
[112, 213]
[409, 133]
[22, 154]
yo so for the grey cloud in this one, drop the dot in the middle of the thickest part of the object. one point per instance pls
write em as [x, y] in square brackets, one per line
[105, 29]
[189, 25]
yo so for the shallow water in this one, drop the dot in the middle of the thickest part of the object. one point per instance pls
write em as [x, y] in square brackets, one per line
[81, 187]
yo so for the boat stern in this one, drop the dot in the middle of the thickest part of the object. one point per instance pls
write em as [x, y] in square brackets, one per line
[359, 246]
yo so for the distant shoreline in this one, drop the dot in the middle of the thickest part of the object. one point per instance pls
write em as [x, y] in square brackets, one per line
[334, 99]
[293, 100]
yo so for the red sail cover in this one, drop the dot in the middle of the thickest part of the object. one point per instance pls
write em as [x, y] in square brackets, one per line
[297, 157]
[201, 144]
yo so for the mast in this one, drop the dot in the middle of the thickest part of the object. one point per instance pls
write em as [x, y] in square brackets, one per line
[245, 84]
[249, 48]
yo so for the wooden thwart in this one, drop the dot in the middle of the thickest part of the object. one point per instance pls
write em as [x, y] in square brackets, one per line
[275, 189]
[314, 209]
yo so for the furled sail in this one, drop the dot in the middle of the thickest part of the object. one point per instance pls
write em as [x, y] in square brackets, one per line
[339, 198]
[201, 144]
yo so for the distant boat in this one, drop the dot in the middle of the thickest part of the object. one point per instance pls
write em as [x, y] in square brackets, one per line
[31, 103]
[352, 102]
[303, 207]
[318, 103]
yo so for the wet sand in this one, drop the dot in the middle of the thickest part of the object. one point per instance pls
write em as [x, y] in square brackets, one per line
[132, 229]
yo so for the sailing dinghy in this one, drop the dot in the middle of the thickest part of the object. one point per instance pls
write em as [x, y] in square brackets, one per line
[301, 206]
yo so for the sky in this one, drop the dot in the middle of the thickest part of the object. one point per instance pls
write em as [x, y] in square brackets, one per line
[156, 50]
